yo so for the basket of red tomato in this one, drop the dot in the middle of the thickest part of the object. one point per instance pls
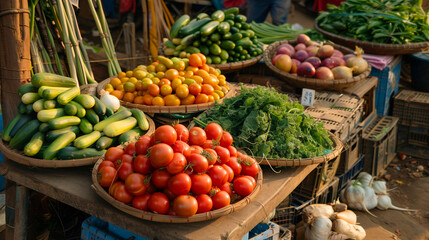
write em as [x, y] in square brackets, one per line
[178, 175]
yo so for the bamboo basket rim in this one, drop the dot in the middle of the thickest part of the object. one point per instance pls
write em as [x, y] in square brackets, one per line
[298, 81]
[199, 217]
[373, 47]
[236, 66]
[20, 158]
[169, 109]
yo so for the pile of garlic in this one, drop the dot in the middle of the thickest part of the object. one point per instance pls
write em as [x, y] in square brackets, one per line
[329, 222]
[365, 194]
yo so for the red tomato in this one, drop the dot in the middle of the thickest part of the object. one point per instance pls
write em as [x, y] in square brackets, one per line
[180, 184]
[211, 155]
[151, 188]
[229, 171]
[105, 163]
[227, 188]
[234, 165]
[113, 154]
[130, 149]
[136, 184]
[213, 131]
[142, 145]
[125, 158]
[165, 134]
[198, 163]
[182, 132]
[223, 154]
[124, 170]
[221, 199]
[121, 194]
[219, 175]
[252, 179]
[140, 202]
[250, 167]
[226, 139]
[113, 187]
[195, 149]
[160, 178]
[243, 186]
[158, 203]
[181, 147]
[205, 203]
[232, 151]
[241, 156]
[197, 136]
[185, 206]
[201, 183]
[208, 144]
[141, 164]
[160, 155]
[171, 196]
[177, 164]
[106, 176]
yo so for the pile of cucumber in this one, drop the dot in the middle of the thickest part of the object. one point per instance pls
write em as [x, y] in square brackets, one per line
[56, 121]
[223, 37]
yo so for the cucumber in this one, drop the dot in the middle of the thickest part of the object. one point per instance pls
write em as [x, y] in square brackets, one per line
[30, 98]
[227, 45]
[26, 88]
[51, 92]
[191, 49]
[193, 27]
[92, 116]
[109, 112]
[63, 122]
[204, 50]
[215, 49]
[24, 134]
[29, 109]
[85, 126]
[50, 79]
[169, 44]
[99, 107]
[233, 10]
[68, 95]
[44, 127]
[104, 142]
[117, 128]
[6, 133]
[21, 122]
[50, 104]
[178, 24]
[186, 41]
[49, 114]
[22, 108]
[236, 36]
[81, 111]
[54, 134]
[87, 101]
[38, 105]
[209, 28]
[240, 18]
[223, 27]
[141, 119]
[130, 136]
[229, 16]
[218, 15]
[202, 16]
[35, 144]
[70, 109]
[57, 144]
[115, 117]
[87, 140]
[68, 153]
[244, 42]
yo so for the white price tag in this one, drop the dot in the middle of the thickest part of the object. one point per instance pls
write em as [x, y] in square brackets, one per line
[75, 3]
[307, 98]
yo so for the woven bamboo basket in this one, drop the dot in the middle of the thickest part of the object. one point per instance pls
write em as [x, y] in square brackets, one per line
[169, 109]
[90, 89]
[375, 48]
[236, 66]
[314, 83]
[167, 218]
[19, 157]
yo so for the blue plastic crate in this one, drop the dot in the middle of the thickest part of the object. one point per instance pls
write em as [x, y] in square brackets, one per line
[351, 173]
[96, 229]
[388, 84]
[263, 231]
[2, 180]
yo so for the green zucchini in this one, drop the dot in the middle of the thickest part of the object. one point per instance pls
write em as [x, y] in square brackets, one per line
[68, 153]
[236, 36]
[117, 128]
[44, 127]
[169, 44]
[6, 133]
[87, 101]
[50, 104]
[29, 109]
[141, 119]
[50, 79]
[70, 109]
[115, 117]
[30, 98]
[38, 105]
[240, 18]
[233, 10]
[48, 92]
[109, 112]
[63, 122]
[35, 144]
[186, 41]
[202, 16]
[21, 122]
[122, 108]
[68, 95]
[227, 45]
[99, 107]
[104, 142]
[26, 88]
[24, 134]
[178, 24]
[22, 108]
[92, 116]
[85, 126]
[223, 27]
[57, 144]
[87, 140]
[191, 49]
[81, 111]
[218, 15]
[49, 114]
[54, 134]
[244, 42]
[192, 28]
[209, 28]
[130, 136]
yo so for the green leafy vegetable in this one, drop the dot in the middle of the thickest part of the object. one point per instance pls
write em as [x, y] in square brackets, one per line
[264, 122]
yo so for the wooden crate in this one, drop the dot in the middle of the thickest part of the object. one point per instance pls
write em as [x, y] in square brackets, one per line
[352, 151]
[412, 107]
[365, 89]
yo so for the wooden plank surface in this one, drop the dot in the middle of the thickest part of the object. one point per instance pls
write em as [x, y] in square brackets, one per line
[72, 186]
[362, 87]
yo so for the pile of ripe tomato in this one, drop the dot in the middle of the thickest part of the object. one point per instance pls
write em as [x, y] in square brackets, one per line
[179, 172]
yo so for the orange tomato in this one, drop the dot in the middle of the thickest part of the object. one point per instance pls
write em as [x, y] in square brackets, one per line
[195, 89]
[217, 88]
[129, 73]
[188, 74]
[198, 79]
[166, 90]
[128, 97]
[160, 68]
[151, 68]
[195, 60]
[207, 89]
[179, 65]
[216, 96]
[171, 74]
[203, 58]
[117, 93]
[182, 91]
[120, 87]
[213, 71]
[147, 99]
[192, 69]
[222, 80]
[205, 67]
[139, 86]
[153, 90]
[171, 100]
[190, 99]
[115, 82]
[155, 80]
[202, 98]
[219, 93]
[158, 101]
[125, 79]
[181, 73]
[122, 75]
[175, 83]
[109, 87]
[164, 81]
[139, 100]
[146, 82]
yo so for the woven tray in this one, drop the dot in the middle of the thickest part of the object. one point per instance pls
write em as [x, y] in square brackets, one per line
[313, 83]
[236, 66]
[168, 109]
[19, 157]
[167, 218]
[90, 89]
[375, 48]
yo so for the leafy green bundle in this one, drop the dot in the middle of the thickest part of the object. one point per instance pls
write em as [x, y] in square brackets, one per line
[263, 122]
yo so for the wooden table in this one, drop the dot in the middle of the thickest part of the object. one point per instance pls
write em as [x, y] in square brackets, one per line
[72, 186]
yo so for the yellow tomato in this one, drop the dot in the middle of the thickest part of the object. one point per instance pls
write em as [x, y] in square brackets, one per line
[139, 74]
[128, 97]
[115, 82]
[171, 100]
[158, 101]
[120, 87]
[133, 80]
[189, 81]
[161, 68]
[130, 73]
[216, 96]
[124, 79]
[175, 83]
[182, 91]
[160, 75]
[147, 99]
[188, 74]
[190, 99]
[198, 79]
[155, 80]
[146, 82]
[121, 75]
[109, 88]
[171, 74]
[166, 90]
[179, 65]
[192, 69]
